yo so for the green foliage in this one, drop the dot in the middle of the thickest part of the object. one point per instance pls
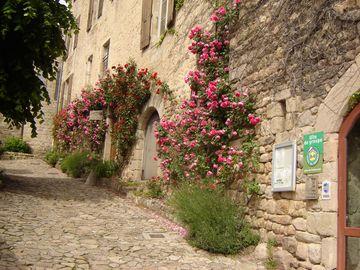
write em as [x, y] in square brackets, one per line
[179, 4]
[105, 168]
[170, 31]
[31, 32]
[14, 144]
[52, 157]
[354, 100]
[154, 189]
[76, 164]
[215, 223]
[252, 187]
[127, 89]
[270, 262]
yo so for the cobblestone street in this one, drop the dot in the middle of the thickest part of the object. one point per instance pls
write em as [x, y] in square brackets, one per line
[50, 221]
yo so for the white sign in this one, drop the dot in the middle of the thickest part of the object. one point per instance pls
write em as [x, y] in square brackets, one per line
[96, 115]
[284, 167]
[326, 190]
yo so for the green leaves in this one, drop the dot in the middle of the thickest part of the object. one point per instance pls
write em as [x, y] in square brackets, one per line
[31, 35]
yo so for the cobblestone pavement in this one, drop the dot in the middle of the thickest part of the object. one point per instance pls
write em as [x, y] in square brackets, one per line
[50, 221]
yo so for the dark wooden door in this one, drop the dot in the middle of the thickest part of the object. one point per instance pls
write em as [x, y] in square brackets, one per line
[150, 165]
[349, 193]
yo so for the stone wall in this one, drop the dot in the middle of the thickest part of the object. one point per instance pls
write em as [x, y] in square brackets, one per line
[302, 61]
[6, 131]
[43, 141]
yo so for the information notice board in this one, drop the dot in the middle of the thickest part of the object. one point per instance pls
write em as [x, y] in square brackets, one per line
[284, 167]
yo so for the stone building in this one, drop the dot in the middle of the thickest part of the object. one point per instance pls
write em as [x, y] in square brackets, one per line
[303, 63]
[111, 33]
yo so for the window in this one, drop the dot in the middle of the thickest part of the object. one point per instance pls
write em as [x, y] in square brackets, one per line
[105, 59]
[67, 44]
[162, 12]
[68, 89]
[88, 69]
[62, 97]
[90, 15]
[162, 17]
[66, 92]
[100, 10]
[76, 37]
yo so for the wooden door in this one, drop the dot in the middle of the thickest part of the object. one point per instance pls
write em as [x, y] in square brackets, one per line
[349, 193]
[150, 165]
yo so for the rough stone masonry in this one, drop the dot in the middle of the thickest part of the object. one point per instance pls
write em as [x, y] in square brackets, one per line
[302, 60]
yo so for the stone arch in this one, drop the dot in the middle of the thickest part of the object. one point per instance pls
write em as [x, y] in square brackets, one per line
[155, 103]
[335, 106]
[330, 116]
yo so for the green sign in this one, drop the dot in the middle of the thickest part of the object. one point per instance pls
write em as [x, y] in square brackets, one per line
[313, 152]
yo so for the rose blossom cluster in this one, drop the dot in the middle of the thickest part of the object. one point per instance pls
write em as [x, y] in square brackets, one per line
[195, 142]
[73, 128]
[127, 89]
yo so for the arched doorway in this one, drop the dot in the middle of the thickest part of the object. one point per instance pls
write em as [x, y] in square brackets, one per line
[349, 192]
[150, 165]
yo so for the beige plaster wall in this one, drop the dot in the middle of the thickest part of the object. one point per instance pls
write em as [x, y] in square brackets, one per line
[120, 23]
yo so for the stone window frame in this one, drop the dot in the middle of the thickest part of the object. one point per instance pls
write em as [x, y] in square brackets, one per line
[148, 29]
[100, 8]
[76, 36]
[68, 88]
[88, 69]
[90, 15]
[162, 19]
[105, 57]
[67, 45]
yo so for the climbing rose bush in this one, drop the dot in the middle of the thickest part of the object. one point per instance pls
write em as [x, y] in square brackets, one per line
[73, 129]
[195, 143]
[127, 88]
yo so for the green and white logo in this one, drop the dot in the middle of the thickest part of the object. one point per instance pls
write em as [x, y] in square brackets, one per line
[313, 152]
[312, 156]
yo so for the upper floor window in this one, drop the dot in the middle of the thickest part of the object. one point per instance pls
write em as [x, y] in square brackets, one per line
[90, 15]
[163, 16]
[88, 69]
[100, 10]
[68, 89]
[67, 44]
[157, 15]
[105, 58]
[76, 37]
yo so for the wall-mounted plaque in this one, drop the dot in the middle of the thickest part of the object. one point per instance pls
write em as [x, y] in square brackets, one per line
[311, 189]
[96, 115]
[326, 190]
[284, 167]
[313, 152]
